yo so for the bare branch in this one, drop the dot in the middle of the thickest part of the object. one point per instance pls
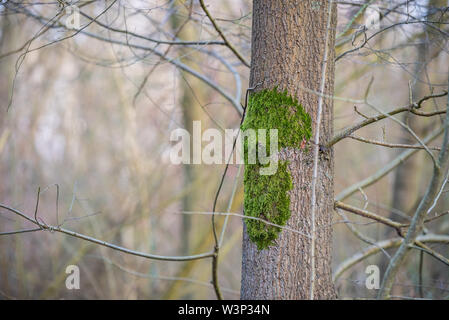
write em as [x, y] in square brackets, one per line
[220, 32]
[370, 215]
[391, 145]
[348, 131]
[104, 243]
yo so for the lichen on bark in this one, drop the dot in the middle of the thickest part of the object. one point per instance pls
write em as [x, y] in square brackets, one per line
[267, 196]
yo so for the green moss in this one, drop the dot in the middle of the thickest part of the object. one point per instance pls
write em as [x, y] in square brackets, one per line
[266, 196]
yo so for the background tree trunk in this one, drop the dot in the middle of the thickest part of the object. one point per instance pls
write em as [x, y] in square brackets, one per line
[408, 182]
[191, 111]
[288, 45]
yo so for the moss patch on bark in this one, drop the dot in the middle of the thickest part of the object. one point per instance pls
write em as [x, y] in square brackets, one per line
[266, 196]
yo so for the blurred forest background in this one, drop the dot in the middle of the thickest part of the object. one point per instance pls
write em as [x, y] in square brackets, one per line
[93, 114]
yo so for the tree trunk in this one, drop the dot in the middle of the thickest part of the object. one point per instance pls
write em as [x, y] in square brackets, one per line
[191, 112]
[288, 49]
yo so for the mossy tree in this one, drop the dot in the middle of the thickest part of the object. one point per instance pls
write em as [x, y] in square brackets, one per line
[289, 40]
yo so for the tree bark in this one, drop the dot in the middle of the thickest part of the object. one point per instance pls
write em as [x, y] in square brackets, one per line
[288, 46]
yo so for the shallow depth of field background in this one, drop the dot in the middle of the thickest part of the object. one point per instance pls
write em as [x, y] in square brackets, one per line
[79, 120]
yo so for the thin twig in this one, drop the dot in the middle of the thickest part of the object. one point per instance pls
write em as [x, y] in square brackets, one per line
[74, 234]
[317, 150]
[348, 131]
[233, 214]
[391, 145]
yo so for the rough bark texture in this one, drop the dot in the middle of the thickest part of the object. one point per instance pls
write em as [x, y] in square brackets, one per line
[288, 44]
